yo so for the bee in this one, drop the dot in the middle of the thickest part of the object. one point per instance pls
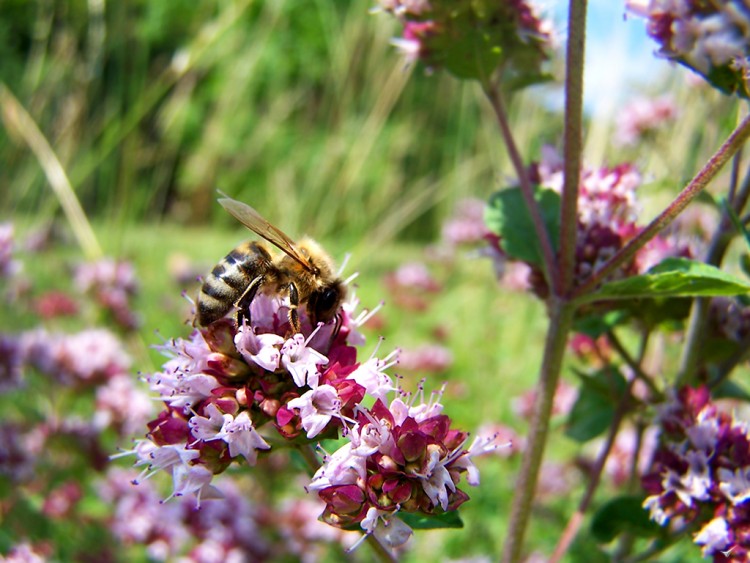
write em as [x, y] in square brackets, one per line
[304, 273]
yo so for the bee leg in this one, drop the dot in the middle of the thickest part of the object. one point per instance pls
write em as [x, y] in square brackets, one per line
[293, 304]
[337, 327]
[244, 301]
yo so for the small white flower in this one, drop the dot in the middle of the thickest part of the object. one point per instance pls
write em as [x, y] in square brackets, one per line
[193, 479]
[343, 467]
[261, 349]
[243, 439]
[371, 375]
[388, 529]
[317, 407]
[211, 427]
[656, 513]
[735, 485]
[714, 537]
[302, 361]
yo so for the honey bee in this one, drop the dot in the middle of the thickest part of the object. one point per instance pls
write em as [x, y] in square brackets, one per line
[304, 273]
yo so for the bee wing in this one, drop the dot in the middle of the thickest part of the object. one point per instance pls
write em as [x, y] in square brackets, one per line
[253, 221]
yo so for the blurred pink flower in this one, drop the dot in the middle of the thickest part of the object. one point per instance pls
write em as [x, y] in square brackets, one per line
[55, 304]
[429, 358]
[9, 267]
[87, 357]
[113, 285]
[643, 116]
[466, 226]
[565, 397]
[122, 405]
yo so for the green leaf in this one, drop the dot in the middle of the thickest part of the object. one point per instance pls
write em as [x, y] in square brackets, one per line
[597, 324]
[623, 514]
[473, 39]
[595, 407]
[728, 389]
[432, 521]
[509, 218]
[674, 277]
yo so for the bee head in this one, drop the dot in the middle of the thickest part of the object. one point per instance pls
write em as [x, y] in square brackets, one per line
[323, 303]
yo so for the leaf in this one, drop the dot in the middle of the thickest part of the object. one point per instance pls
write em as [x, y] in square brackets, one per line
[597, 324]
[673, 277]
[473, 39]
[509, 218]
[728, 389]
[432, 521]
[595, 407]
[623, 514]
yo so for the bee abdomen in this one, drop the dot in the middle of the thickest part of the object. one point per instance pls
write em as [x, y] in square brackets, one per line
[228, 281]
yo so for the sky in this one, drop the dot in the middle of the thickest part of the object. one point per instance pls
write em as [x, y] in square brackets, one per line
[619, 55]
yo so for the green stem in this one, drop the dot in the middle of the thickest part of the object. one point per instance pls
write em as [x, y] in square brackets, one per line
[573, 139]
[690, 192]
[561, 321]
[633, 364]
[694, 336]
[574, 524]
[527, 190]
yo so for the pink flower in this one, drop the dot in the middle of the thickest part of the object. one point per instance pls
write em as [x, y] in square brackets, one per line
[371, 375]
[119, 403]
[243, 439]
[302, 361]
[261, 349]
[317, 407]
[643, 116]
[8, 266]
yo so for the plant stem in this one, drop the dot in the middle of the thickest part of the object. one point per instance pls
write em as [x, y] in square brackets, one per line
[561, 320]
[692, 349]
[493, 95]
[693, 188]
[656, 395]
[574, 524]
[573, 142]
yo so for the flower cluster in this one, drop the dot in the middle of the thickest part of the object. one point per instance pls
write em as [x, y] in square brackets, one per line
[113, 285]
[442, 34]
[226, 384]
[400, 457]
[607, 213]
[701, 475]
[712, 38]
[227, 530]
[86, 358]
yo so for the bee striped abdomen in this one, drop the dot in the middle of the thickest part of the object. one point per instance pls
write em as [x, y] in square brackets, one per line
[229, 279]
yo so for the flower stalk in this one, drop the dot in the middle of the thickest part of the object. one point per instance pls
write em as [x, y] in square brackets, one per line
[527, 191]
[559, 278]
[573, 133]
[561, 321]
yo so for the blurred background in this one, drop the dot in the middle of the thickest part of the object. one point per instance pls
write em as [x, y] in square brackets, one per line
[145, 109]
